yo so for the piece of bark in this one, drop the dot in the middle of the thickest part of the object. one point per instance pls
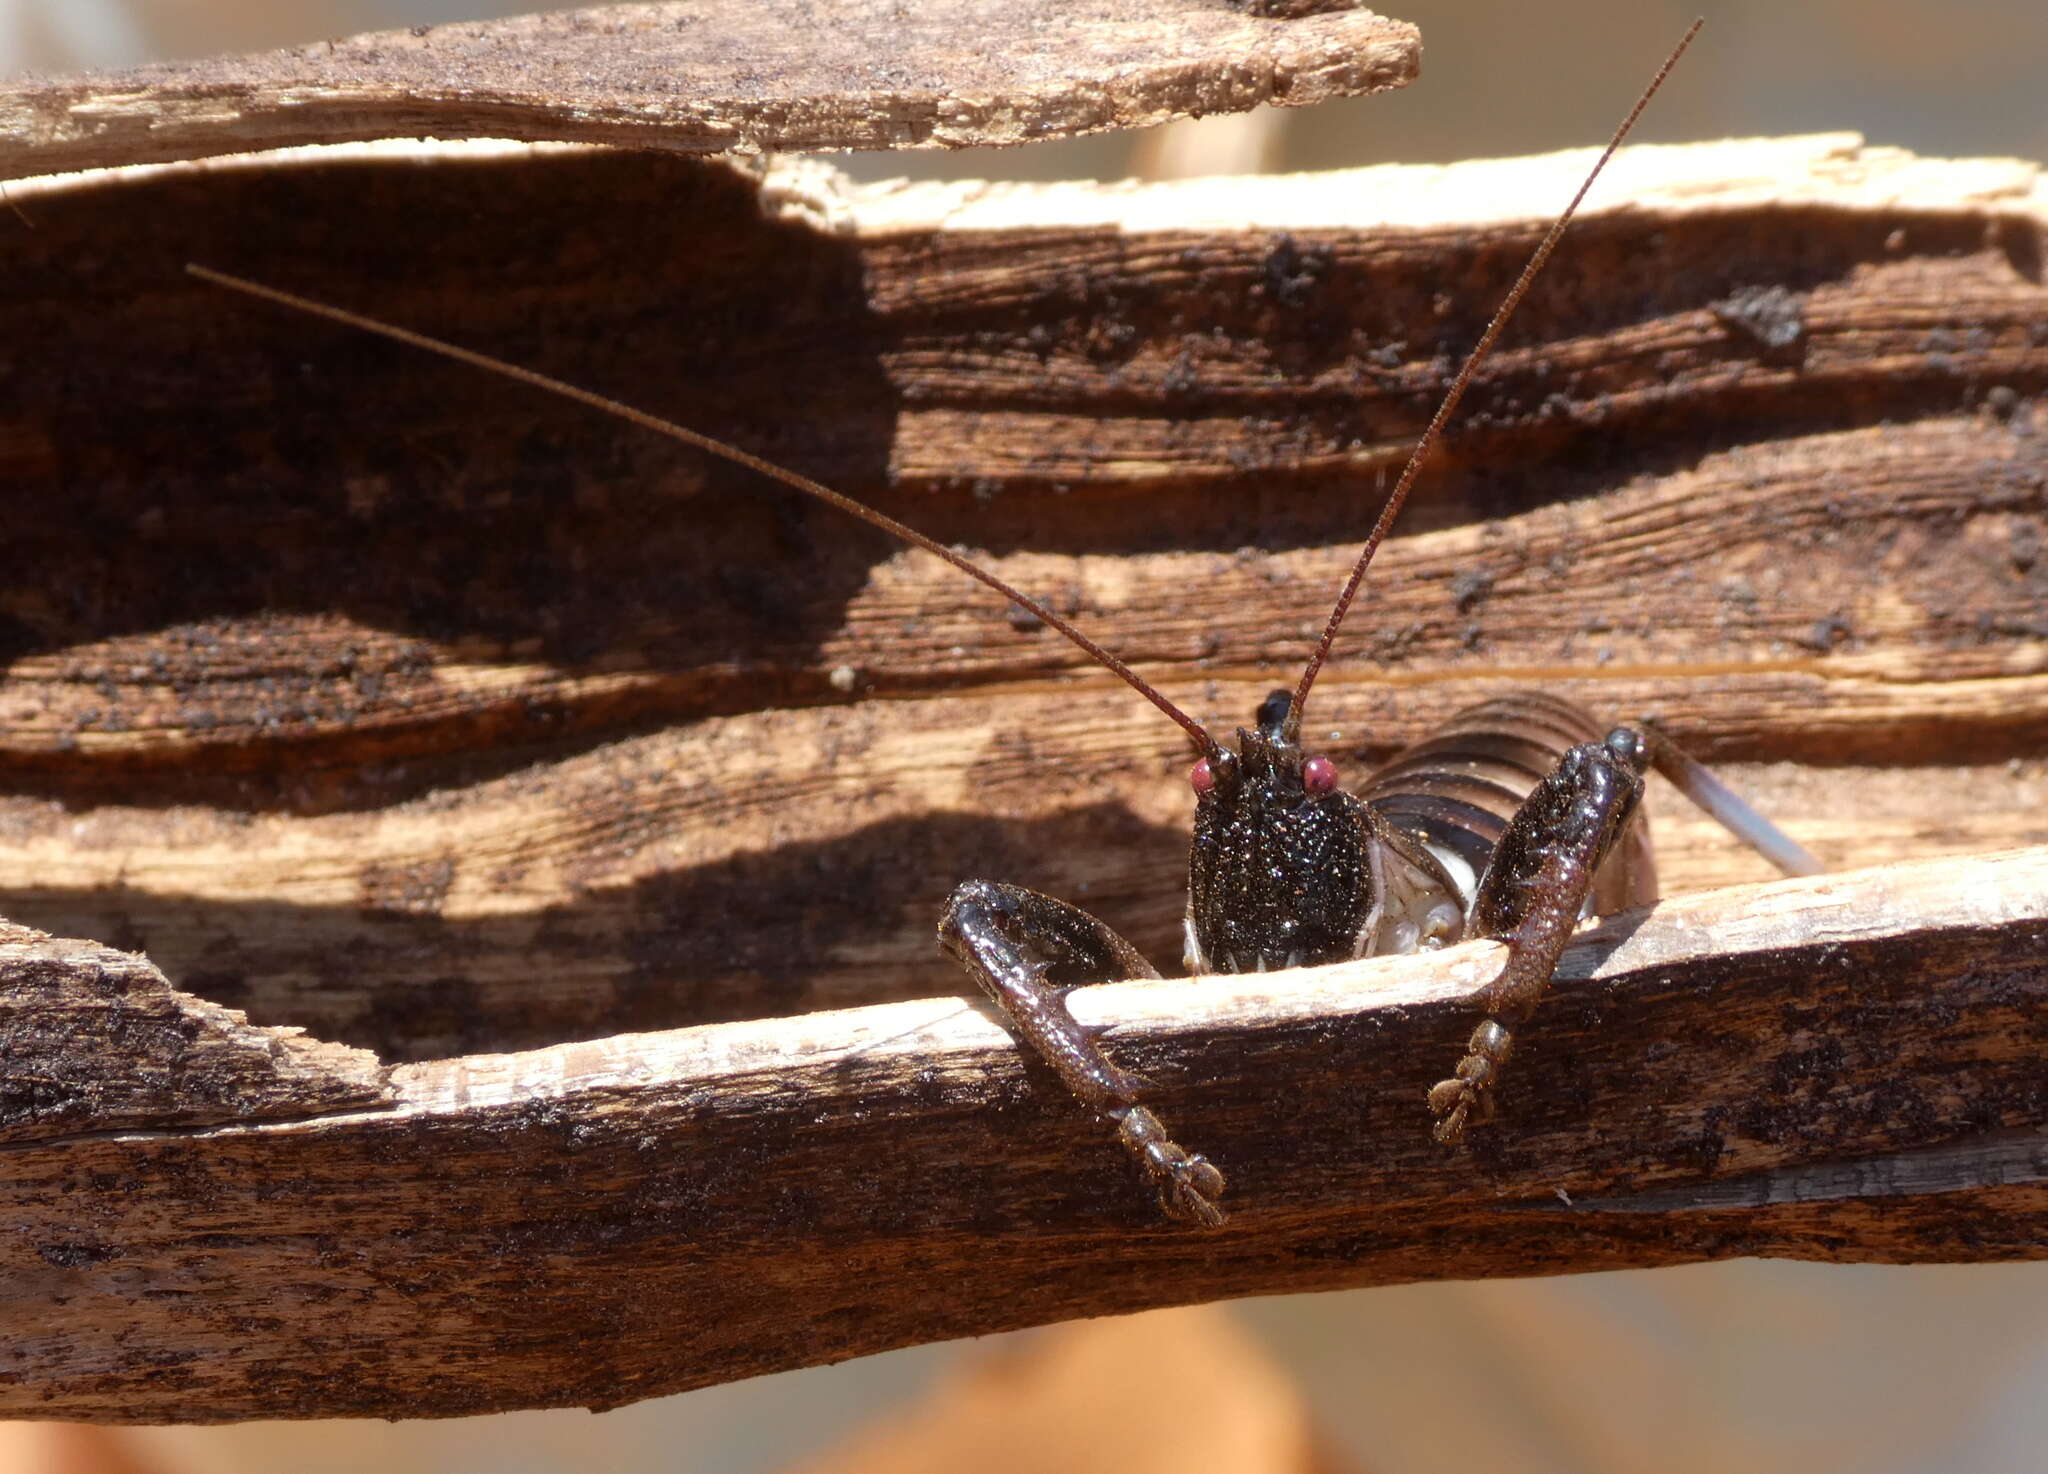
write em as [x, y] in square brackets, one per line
[1847, 1069]
[95, 1040]
[370, 696]
[717, 75]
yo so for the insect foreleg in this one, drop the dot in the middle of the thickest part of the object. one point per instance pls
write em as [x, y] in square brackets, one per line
[1028, 951]
[1532, 895]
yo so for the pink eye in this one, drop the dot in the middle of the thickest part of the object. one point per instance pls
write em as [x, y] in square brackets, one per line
[1203, 777]
[1319, 775]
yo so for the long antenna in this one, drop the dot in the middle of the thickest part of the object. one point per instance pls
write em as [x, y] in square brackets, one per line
[1434, 431]
[724, 451]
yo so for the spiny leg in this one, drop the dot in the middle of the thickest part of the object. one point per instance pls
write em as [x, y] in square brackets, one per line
[1028, 951]
[1531, 897]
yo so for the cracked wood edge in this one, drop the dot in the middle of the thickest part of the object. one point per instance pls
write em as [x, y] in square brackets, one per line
[95, 1039]
[1842, 1068]
[1994, 1160]
[1836, 171]
[718, 75]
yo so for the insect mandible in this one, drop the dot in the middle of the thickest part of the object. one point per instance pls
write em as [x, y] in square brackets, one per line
[1515, 822]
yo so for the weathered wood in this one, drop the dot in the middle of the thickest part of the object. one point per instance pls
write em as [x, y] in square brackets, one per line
[384, 702]
[95, 1040]
[1847, 1068]
[716, 75]
[374, 698]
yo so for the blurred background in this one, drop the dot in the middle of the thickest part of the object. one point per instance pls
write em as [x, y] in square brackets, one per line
[1757, 1365]
[1957, 79]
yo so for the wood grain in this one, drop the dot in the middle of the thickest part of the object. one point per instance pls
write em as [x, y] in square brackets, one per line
[1846, 1068]
[97, 1040]
[711, 76]
[550, 775]
[374, 698]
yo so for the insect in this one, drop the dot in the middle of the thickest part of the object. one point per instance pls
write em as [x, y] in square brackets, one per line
[1513, 824]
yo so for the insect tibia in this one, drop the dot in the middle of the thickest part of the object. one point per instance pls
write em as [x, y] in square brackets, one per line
[1188, 1185]
[1533, 893]
[1727, 807]
[1012, 941]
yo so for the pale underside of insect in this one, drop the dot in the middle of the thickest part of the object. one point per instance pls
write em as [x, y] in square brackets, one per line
[1516, 822]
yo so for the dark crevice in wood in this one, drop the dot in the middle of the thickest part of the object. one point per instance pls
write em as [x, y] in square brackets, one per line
[1992, 1160]
[837, 924]
[350, 522]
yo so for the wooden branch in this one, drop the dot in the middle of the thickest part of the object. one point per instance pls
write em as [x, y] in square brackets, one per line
[716, 75]
[373, 698]
[1847, 1068]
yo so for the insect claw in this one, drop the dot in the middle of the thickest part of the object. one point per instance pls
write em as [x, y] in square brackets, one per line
[1453, 1101]
[1451, 1130]
[1190, 1195]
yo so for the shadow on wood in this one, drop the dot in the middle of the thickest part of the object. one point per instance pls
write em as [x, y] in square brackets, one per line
[368, 696]
[372, 699]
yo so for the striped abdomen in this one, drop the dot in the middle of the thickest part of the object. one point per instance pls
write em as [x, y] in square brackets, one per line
[1456, 792]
